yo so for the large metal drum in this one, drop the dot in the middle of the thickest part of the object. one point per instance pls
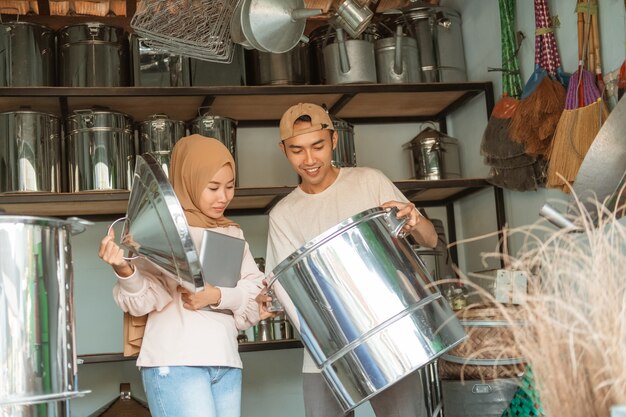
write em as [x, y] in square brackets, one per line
[27, 56]
[30, 152]
[344, 154]
[37, 348]
[158, 135]
[100, 150]
[93, 55]
[367, 310]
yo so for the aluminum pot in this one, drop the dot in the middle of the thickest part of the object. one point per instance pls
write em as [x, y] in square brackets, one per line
[344, 154]
[288, 68]
[100, 150]
[435, 156]
[30, 152]
[348, 61]
[437, 30]
[365, 306]
[27, 58]
[157, 68]
[158, 135]
[93, 55]
[37, 347]
[220, 128]
[397, 59]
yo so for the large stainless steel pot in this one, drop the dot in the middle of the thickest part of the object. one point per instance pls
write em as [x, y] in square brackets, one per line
[220, 128]
[397, 59]
[93, 55]
[157, 68]
[37, 346]
[157, 135]
[344, 154]
[30, 152]
[100, 150]
[288, 68]
[437, 30]
[27, 57]
[435, 156]
[367, 310]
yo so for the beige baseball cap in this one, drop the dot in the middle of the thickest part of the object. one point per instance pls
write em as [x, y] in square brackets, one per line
[320, 119]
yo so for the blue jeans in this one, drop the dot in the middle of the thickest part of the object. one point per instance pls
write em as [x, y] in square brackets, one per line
[193, 391]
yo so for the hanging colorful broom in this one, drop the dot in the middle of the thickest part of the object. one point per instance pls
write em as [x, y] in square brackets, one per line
[585, 111]
[511, 167]
[543, 98]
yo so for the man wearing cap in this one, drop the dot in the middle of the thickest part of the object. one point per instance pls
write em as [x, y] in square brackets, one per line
[326, 196]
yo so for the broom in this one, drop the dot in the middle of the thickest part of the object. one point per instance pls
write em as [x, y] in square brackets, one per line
[543, 98]
[585, 110]
[511, 167]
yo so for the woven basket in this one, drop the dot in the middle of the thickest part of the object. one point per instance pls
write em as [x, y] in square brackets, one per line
[489, 351]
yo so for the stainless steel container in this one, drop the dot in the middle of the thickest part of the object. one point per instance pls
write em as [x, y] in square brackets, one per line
[93, 55]
[220, 128]
[205, 73]
[348, 61]
[27, 57]
[366, 309]
[437, 30]
[435, 156]
[37, 348]
[397, 60]
[30, 152]
[157, 68]
[344, 154]
[288, 68]
[100, 150]
[158, 135]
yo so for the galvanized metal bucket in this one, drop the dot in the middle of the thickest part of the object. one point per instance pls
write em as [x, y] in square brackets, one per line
[37, 347]
[366, 308]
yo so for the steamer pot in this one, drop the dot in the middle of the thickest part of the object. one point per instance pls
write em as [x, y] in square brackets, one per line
[30, 152]
[365, 306]
[27, 58]
[344, 154]
[37, 346]
[100, 150]
[435, 156]
[93, 55]
[157, 135]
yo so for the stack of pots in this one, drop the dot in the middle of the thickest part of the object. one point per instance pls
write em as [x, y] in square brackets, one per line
[30, 152]
[157, 135]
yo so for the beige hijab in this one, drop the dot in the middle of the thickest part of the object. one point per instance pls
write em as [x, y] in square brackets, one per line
[195, 161]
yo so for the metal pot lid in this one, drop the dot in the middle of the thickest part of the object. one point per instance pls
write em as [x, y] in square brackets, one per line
[274, 25]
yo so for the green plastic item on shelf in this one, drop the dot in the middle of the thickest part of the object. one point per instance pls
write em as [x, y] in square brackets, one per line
[525, 402]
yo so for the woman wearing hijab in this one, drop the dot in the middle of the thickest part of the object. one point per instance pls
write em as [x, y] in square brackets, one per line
[189, 359]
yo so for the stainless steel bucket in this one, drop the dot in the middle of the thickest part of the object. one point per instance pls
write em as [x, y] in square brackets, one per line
[348, 61]
[435, 156]
[93, 55]
[30, 152]
[367, 311]
[344, 154]
[27, 57]
[158, 135]
[37, 348]
[288, 68]
[439, 38]
[220, 128]
[157, 68]
[397, 60]
[100, 150]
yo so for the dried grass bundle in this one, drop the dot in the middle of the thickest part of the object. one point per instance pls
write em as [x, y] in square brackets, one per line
[575, 313]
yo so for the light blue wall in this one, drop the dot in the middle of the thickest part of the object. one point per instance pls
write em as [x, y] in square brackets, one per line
[272, 381]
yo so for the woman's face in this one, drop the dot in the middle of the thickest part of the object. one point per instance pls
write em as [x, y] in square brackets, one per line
[218, 193]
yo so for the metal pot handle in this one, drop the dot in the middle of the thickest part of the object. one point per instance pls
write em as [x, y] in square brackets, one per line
[396, 224]
[344, 62]
[397, 61]
[109, 230]
[78, 225]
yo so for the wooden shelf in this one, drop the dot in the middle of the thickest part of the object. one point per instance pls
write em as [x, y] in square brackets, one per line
[246, 201]
[243, 347]
[256, 105]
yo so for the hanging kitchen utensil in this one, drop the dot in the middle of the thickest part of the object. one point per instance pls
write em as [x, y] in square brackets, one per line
[274, 25]
[511, 167]
[353, 16]
[543, 98]
[585, 111]
[194, 28]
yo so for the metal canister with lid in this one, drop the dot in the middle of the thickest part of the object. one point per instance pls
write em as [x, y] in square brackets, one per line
[435, 156]
[157, 135]
[100, 150]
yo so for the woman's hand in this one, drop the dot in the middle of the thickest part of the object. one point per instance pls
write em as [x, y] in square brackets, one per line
[209, 296]
[112, 254]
